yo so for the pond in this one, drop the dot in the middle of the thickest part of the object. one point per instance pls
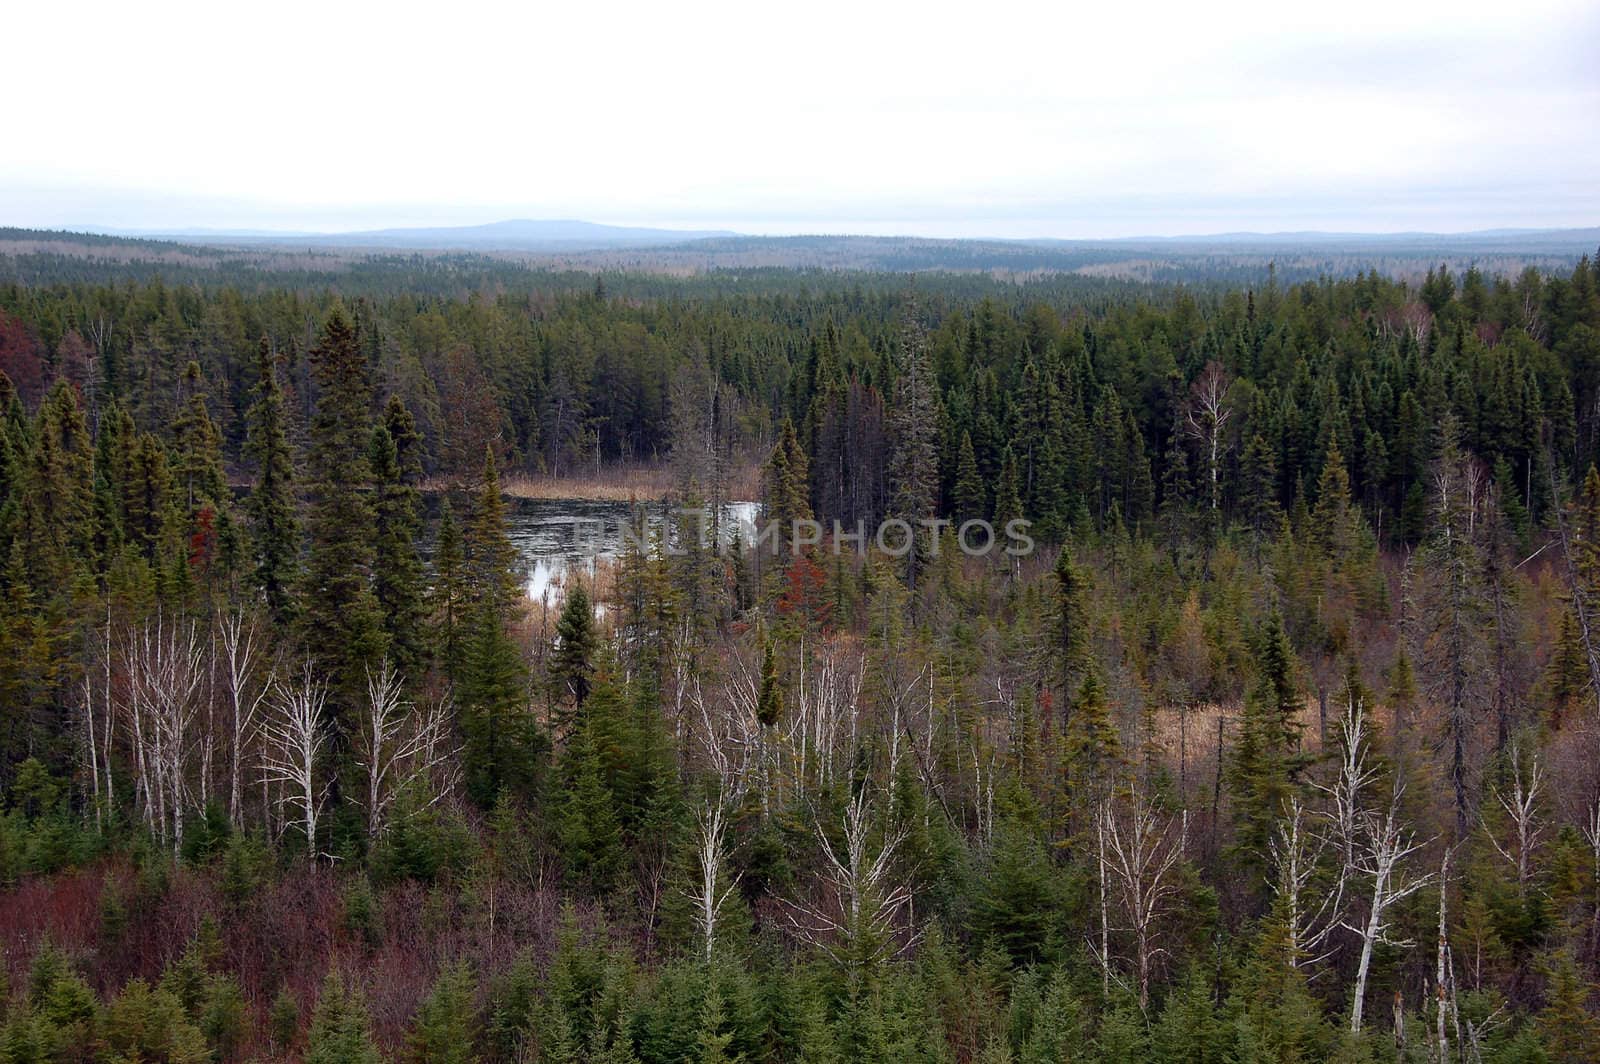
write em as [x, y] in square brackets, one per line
[559, 538]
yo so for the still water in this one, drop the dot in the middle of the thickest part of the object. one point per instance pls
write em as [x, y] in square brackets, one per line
[560, 538]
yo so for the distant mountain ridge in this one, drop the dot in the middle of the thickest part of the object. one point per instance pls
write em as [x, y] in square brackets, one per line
[572, 235]
[518, 234]
[1234, 258]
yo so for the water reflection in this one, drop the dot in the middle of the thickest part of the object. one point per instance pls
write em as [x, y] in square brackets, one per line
[559, 539]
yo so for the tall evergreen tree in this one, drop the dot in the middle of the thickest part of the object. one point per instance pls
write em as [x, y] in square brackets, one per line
[572, 663]
[398, 577]
[967, 497]
[342, 622]
[1267, 758]
[271, 505]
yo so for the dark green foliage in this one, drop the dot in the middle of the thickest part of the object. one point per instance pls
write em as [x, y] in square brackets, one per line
[341, 621]
[341, 1030]
[271, 504]
[1266, 755]
[983, 711]
[446, 1026]
[572, 663]
[398, 582]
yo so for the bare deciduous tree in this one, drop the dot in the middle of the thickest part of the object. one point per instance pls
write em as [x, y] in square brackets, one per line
[713, 888]
[293, 737]
[247, 679]
[1140, 852]
[399, 745]
[1302, 839]
[166, 669]
[1205, 419]
[1521, 806]
[1385, 845]
[856, 918]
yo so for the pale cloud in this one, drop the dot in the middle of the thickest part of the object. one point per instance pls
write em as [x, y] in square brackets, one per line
[1008, 119]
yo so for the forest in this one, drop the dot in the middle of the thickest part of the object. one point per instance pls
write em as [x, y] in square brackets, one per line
[1281, 745]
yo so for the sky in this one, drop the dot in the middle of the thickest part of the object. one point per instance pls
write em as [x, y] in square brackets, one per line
[1071, 120]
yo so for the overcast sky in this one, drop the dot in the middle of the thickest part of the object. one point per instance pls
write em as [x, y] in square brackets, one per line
[1058, 119]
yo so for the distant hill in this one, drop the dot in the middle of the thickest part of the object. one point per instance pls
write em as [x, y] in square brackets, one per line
[585, 247]
[514, 235]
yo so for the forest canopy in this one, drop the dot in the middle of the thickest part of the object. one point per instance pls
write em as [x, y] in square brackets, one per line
[1280, 746]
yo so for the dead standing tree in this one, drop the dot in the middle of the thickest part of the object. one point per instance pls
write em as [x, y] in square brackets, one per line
[399, 745]
[855, 918]
[1381, 858]
[1303, 838]
[1205, 420]
[166, 670]
[1520, 801]
[247, 679]
[293, 738]
[713, 887]
[1140, 852]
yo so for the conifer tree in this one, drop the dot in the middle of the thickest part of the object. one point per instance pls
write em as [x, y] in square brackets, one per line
[207, 504]
[398, 578]
[1266, 756]
[446, 1029]
[769, 699]
[967, 497]
[1072, 655]
[591, 835]
[787, 482]
[1008, 494]
[342, 622]
[493, 683]
[502, 744]
[341, 1029]
[493, 569]
[271, 505]
[572, 663]
[448, 596]
[1570, 1031]
[913, 427]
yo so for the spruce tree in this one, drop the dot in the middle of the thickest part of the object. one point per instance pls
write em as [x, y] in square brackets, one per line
[913, 427]
[342, 622]
[1008, 494]
[572, 663]
[1266, 756]
[446, 1028]
[502, 744]
[769, 699]
[1072, 653]
[207, 503]
[398, 578]
[447, 598]
[591, 835]
[341, 1029]
[271, 506]
[967, 496]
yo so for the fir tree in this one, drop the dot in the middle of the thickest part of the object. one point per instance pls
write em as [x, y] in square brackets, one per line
[769, 699]
[591, 835]
[341, 622]
[1008, 494]
[1266, 756]
[447, 598]
[203, 491]
[341, 1030]
[446, 1028]
[572, 663]
[398, 577]
[967, 497]
[271, 504]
